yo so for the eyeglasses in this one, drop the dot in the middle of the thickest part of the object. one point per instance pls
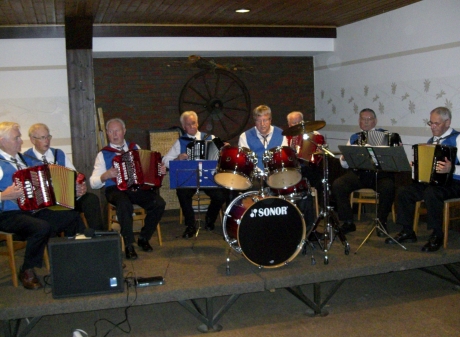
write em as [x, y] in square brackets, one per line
[436, 124]
[366, 119]
[43, 138]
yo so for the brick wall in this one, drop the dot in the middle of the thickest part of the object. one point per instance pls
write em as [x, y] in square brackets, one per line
[145, 91]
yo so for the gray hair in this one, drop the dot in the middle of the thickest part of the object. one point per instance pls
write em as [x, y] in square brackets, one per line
[443, 112]
[119, 120]
[261, 110]
[6, 127]
[368, 110]
[186, 114]
[37, 126]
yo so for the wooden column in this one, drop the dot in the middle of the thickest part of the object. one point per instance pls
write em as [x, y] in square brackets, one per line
[82, 107]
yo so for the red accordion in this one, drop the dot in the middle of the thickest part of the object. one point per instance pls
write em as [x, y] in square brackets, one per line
[51, 186]
[138, 169]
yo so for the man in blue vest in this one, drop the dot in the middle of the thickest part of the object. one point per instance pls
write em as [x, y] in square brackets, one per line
[189, 122]
[356, 179]
[434, 196]
[33, 226]
[42, 152]
[104, 175]
[263, 136]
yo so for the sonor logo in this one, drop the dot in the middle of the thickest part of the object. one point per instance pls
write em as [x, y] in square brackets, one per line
[272, 211]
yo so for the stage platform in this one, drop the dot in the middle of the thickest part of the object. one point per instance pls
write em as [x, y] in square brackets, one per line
[196, 272]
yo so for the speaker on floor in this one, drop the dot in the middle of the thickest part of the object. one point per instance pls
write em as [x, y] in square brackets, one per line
[85, 267]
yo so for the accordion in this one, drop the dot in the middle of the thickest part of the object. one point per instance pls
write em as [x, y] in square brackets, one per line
[204, 149]
[426, 157]
[138, 169]
[378, 138]
[46, 186]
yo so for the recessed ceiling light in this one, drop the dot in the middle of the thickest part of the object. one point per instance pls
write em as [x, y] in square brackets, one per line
[243, 10]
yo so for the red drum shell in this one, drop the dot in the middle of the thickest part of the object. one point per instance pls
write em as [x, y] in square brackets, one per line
[295, 192]
[283, 167]
[235, 168]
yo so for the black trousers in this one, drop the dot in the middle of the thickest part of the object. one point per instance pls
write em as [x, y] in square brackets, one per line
[37, 227]
[89, 205]
[355, 180]
[433, 196]
[150, 200]
[218, 198]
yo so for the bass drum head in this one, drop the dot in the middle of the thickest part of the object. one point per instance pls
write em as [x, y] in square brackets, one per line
[271, 232]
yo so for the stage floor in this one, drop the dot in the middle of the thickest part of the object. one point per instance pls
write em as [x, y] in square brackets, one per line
[197, 269]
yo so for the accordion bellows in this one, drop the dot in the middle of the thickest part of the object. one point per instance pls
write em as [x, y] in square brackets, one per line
[46, 186]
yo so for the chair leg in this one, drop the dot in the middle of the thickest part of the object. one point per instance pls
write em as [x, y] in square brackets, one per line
[46, 259]
[11, 259]
[445, 224]
[160, 241]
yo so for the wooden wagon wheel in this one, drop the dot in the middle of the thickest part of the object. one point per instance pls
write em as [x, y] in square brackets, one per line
[221, 101]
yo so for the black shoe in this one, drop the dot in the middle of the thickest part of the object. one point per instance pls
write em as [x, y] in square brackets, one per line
[403, 237]
[209, 227]
[130, 253]
[434, 243]
[144, 244]
[381, 234]
[189, 232]
[348, 227]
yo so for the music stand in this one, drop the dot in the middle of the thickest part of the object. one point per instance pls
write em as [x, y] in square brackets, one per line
[193, 174]
[377, 159]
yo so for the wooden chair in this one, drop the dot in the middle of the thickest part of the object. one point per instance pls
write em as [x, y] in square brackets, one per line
[11, 247]
[205, 201]
[138, 214]
[314, 194]
[449, 205]
[366, 196]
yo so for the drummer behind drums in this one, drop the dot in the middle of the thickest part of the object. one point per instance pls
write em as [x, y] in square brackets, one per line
[261, 137]
[309, 159]
[189, 122]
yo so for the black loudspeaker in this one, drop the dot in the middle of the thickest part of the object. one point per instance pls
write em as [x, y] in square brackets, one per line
[85, 267]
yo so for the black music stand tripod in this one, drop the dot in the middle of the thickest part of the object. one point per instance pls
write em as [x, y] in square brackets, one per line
[332, 228]
[376, 159]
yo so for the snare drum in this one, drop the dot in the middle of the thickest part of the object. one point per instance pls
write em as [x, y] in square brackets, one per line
[283, 167]
[235, 168]
[294, 193]
[268, 231]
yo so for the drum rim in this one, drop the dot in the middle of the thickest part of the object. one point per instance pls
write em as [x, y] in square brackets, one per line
[249, 179]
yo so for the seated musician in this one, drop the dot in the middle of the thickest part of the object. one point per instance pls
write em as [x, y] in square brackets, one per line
[189, 122]
[42, 152]
[310, 167]
[33, 226]
[104, 175]
[434, 196]
[355, 179]
[263, 136]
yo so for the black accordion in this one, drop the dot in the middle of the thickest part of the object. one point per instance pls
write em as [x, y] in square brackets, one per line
[204, 149]
[426, 157]
[378, 138]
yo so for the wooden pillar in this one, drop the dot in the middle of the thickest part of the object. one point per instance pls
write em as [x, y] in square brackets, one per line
[82, 107]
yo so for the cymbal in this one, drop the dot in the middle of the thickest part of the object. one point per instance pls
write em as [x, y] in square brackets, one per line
[304, 127]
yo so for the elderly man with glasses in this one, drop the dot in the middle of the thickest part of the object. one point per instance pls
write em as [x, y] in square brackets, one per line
[433, 195]
[42, 152]
[356, 179]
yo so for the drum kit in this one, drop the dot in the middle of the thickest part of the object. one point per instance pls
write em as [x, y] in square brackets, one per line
[266, 226]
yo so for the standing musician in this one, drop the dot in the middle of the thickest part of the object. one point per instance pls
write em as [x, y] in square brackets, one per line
[104, 174]
[42, 152]
[262, 136]
[434, 196]
[189, 122]
[33, 226]
[356, 179]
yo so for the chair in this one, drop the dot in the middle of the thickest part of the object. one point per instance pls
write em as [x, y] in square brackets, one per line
[314, 194]
[366, 196]
[449, 205]
[205, 201]
[138, 215]
[11, 247]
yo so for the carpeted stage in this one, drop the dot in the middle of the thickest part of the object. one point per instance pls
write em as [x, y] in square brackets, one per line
[196, 274]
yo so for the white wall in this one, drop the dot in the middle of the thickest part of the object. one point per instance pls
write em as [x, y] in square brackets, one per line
[33, 87]
[401, 64]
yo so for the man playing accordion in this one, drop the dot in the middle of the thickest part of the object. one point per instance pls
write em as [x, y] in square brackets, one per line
[105, 175]
[33, 226]
[433, 195]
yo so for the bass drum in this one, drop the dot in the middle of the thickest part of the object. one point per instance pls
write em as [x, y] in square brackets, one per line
[268, 231]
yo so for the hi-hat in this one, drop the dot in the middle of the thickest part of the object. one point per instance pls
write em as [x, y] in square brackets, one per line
[304, 127]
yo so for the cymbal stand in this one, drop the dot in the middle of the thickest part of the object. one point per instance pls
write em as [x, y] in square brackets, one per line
[377, 224]
[199, 171]
[332, 228]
